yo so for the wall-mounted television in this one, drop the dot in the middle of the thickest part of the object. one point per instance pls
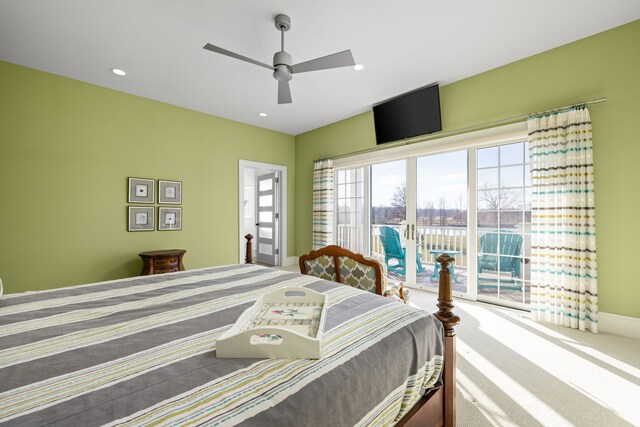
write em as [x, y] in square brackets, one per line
[412, 114]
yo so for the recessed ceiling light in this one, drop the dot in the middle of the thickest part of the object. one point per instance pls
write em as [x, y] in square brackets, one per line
[118, 71]
[358, 67]
[262, 114]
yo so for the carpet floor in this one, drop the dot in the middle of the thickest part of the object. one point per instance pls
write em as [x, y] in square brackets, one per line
[515, 372]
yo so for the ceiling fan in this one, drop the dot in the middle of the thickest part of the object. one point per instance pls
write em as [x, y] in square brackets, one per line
[282, 68]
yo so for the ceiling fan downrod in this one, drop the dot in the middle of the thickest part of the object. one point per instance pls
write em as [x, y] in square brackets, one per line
[282, 60]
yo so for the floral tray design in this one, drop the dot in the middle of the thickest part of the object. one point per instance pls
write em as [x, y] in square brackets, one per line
[303, 318]
[286, 323]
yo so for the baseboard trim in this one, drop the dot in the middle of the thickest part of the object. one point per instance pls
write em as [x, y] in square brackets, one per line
[289, 261]
[625, 326]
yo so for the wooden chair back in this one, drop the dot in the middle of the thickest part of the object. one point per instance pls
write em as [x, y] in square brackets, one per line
[332, 254]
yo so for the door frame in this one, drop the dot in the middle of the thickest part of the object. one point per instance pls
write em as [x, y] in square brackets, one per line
[282, 206]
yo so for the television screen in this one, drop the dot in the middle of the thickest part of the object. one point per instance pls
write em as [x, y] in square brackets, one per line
[413, 114]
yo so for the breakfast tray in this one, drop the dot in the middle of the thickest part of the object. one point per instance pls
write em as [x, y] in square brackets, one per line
[284, 324]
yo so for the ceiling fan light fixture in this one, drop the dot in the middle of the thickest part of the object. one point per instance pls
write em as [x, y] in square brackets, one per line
[358, 67]
[118, 72]
[282, 73]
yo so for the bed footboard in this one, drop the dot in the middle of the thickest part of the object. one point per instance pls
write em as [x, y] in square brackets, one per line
[449, 321]
[438, 407]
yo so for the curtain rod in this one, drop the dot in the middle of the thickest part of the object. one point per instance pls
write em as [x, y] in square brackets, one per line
[509, 120]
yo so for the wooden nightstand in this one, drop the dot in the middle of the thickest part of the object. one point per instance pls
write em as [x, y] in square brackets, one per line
[158, 262]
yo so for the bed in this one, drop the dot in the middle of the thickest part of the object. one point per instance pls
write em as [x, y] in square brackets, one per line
[141, 351]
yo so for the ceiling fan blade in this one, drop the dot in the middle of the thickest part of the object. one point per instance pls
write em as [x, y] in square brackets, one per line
[284, 93]
[336, 60]
[226, 52]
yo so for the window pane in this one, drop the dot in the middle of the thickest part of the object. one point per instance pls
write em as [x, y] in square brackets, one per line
[527, 176]
[266, 200]
[511, 266]
[488, 178]
[511, 176]
[265, 185]
[341, 177]
[265, 217]
[488, 219]
[511, 198]
[265, 248]
[265, 232]
[488, 157]
[511, 221]
[488, 200]
[511, 154]
[341, 191]
[351, 205]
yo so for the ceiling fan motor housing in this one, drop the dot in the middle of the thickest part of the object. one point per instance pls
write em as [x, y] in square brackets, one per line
[283, 22]
[281, 64]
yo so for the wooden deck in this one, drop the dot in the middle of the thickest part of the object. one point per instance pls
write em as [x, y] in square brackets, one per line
[487, 286]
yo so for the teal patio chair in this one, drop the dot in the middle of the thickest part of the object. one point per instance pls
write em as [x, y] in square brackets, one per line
[509, 244]
[390, 239]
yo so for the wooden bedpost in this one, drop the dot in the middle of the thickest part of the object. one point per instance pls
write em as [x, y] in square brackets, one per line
[248, 259]
[449, 320]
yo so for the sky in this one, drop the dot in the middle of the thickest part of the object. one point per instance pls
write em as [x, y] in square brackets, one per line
[445, 175]
[439, 176]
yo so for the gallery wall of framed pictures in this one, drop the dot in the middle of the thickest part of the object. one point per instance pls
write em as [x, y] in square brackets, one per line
[143, 218]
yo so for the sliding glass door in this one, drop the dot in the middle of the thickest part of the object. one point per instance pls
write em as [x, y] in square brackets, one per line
[441, 217]
[472, 203]
[388, 213]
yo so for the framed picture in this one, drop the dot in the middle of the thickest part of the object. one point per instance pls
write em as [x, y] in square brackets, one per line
[141, 218]
[169, 219]
[170, 192]
[141, 190]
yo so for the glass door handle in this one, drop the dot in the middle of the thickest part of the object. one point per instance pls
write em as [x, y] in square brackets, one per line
[413, 232]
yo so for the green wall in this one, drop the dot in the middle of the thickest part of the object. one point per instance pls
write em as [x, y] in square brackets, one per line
[607, 64]
[66, 150]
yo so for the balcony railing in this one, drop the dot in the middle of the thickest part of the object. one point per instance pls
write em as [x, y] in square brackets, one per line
[428, 238]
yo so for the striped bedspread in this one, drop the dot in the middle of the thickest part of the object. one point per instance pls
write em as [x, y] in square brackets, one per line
[141, 351]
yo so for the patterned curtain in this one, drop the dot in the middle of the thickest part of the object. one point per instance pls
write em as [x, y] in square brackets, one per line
[322, 203]
[563, 243]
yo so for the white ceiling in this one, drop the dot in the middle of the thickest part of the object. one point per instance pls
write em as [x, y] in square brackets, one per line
[403, 44]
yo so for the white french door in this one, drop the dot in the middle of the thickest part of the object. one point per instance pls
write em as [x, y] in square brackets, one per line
[429, 216]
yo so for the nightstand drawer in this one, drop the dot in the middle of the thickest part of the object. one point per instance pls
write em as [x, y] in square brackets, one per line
[165, 262]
